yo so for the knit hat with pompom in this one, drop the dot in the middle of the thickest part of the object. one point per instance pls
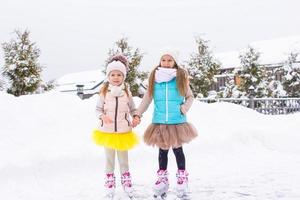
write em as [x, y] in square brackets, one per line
[117, 62]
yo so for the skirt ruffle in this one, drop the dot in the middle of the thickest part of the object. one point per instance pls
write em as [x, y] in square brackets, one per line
[167, 136]
[117, 141]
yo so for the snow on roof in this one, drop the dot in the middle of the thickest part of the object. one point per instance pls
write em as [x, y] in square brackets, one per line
[228, 59]
[87, 78]
[271, 51]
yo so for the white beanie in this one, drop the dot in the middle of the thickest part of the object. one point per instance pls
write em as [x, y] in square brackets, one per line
[171, 52]
[116, 65]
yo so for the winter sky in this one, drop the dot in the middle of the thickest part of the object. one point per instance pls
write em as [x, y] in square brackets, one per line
[75, 35]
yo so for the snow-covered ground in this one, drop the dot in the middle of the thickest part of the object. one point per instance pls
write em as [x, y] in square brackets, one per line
[47, 152]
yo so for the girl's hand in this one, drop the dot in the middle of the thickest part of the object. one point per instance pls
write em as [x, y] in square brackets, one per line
[135, 121]
[106, 119]
[182, 111]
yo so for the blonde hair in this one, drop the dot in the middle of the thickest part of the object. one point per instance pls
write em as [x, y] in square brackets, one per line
[182, 81]
[104, 89]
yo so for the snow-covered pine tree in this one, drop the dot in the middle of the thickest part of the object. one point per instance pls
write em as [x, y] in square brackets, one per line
[291, 78]
[46, 86]
[252, 73]
[21, 66]
[134, 56]
[275, 87]
[231, 89]
[226, 91]
[202, 68]
[1, 85]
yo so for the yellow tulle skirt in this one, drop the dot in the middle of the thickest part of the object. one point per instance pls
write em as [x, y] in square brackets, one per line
[118, 141]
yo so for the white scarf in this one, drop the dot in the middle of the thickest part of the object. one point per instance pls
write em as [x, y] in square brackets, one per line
[117, 90]
[165, 74]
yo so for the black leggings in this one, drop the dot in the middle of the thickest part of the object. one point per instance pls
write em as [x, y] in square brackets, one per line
[163, 158]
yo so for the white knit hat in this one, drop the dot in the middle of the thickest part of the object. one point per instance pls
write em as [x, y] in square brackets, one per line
[171, 52]
[116, 65]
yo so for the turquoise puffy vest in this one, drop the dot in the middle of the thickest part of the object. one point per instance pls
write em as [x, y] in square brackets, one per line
[167, 101]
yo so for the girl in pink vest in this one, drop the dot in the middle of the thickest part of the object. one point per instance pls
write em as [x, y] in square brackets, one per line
[115, 109]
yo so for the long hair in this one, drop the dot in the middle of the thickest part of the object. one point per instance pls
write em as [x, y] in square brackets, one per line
[104, 89]
[182, 81]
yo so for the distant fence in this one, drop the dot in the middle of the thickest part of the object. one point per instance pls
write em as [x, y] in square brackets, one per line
[269, 106]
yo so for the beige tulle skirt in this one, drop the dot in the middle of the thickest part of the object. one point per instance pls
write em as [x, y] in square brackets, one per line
[167, 136]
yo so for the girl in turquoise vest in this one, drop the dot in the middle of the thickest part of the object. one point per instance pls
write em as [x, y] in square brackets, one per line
[172, 96]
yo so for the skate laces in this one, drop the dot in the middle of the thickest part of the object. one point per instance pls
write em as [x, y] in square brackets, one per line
[126, 179]
[182, 177]
[162, 177]
[110, 180]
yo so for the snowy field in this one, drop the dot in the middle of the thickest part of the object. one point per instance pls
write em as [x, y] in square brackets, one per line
[47, 152]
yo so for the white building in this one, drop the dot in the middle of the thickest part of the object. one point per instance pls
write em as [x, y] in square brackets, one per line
[88, 81]
[85, 84]
[273, 54]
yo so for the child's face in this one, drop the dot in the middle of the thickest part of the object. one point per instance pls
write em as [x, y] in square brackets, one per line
[115, 77]
[167, 61]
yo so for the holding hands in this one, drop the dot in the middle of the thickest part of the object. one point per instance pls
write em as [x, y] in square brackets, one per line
[136, 121]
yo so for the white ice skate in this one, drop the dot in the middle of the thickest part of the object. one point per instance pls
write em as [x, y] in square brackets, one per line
[182, 185]
[127, 185]
[110, 185]
[161, 186]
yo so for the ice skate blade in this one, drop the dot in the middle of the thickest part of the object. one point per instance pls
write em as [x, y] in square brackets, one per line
[162, 196]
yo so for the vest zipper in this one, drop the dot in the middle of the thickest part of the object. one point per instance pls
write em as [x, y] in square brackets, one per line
[116, 114]
[167, 110]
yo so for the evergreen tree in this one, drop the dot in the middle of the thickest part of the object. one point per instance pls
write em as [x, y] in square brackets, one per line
[21, 64]
[134, 77]
[231, 89]
[291, 78]
[252, 74]
[1, 85]
[202, 68]
[275, 87]
[46, 86]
